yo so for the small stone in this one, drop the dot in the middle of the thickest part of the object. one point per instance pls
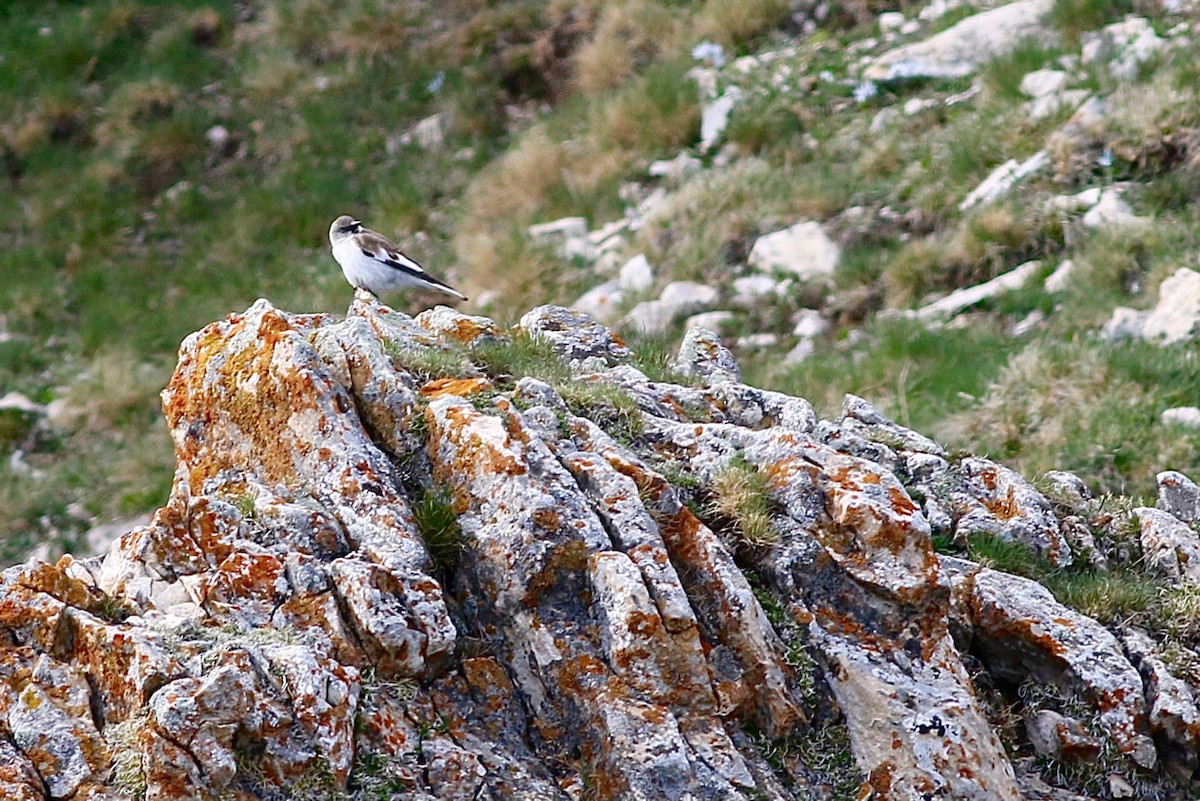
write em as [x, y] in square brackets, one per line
[810, 323]
[1173, 320]
[714, 118]
[636, 275]
[890, 21]
[1118, 787]
[712, 320]
[1186, 416]
[803, 249]
[559, 230]
[676, 169]
[1178, 495]
[1040, 83]
[1004, 178]
[1110, 211]
[1060, 279]
[601, 302]
[1060, 737]
[751, 289]
[1047, 105]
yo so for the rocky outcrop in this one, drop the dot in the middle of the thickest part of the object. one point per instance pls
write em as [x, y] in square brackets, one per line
[430, 558]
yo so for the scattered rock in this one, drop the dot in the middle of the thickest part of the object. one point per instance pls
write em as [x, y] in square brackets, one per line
[750, 290]
[1171, 546]
[717, 320]
[1178, 496]
[636, 275]
[1186, 416]
[1112, 212]
[1003, 178]
[714, 118]
[890, 21]
[602, 302]
[1051, 104]
[1059, 280]
[961, 299]
[959, 50]
[678, 298]
[1172, 320]
[565, 235]
[803, 249]
[676, 169]
[1059, 737]
[1040, 83]
[1124, 45]
[809, 323]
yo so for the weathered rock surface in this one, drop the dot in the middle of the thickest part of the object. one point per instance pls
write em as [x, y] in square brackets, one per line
[393, 565]
[962, 48]
[1173, 319]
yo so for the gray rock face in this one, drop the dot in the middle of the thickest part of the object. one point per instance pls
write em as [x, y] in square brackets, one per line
[1023, 629]
[1170, 544]
[1178, 496]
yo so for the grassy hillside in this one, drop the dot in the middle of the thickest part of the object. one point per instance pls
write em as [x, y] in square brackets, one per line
[167, 163]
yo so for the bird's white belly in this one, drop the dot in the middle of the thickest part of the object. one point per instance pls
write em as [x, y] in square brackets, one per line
[364, 271]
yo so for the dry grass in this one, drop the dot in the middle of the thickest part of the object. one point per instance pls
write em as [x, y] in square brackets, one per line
[114, 387]
[740, 493]
[737, 22]
[629, 36]
[993, 240]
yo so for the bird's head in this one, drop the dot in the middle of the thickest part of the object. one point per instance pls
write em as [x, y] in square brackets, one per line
[343, 227]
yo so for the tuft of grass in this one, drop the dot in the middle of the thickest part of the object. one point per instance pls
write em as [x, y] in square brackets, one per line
[1073, 18]
[739, 493]
[629, 36]
[128, 773]
[437, 522]
[739, 23]
[1090, 410]
[1112, 598]
[1008, 556]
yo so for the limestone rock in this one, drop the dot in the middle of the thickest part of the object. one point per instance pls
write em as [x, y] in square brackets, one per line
[678, 298]
[992, 499]
[1040, 83]
[803, 249]
[1057, 736]
[1171, 545]
[702, 355]
[1178, 496]
[961, 299]
[473, 584]
[1172, 320]
[1024, 631]
[1185, 416]
[959, 50]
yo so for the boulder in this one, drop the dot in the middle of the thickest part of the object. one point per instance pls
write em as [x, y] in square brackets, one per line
[1172, 320]
[959, 50]
[803, 250]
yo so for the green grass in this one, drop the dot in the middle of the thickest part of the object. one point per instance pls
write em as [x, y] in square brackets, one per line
[437, 522]
[915, 375]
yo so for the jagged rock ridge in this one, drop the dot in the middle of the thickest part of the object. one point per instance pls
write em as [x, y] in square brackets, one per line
[575, 627]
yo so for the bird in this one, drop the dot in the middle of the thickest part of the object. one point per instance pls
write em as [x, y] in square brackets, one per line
[371, 261]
